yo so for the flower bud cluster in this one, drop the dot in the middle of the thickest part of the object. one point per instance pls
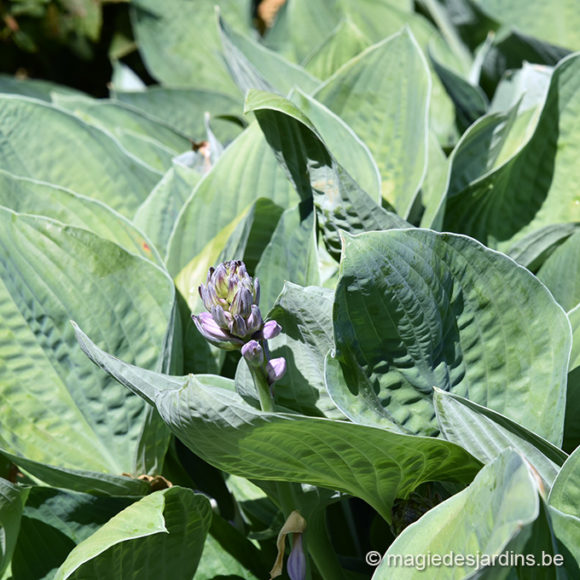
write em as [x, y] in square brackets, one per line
[233, 320]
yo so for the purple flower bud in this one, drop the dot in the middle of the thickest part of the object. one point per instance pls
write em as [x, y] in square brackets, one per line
[222, 319]
[276, 369]
[209, 329]
[254, 321]
[242, 303]
[271, 329]
[238, 326]
[296, 565]
[253, 353]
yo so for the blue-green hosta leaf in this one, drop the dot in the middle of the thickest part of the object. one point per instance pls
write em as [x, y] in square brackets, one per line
[35, 88]
[388, 111]
[339, 201]
[58, 414]
[46, 143]
[344, 145]
[565, 494]
[184, 109]
[561, 272]
[529, 185]
[557, 22]
[160, 536]
[180, 44]
[220, 427]
[305, 315]
[535, 248]
[485, 434]
[157, 214]
[24, 195]
[290, 256]
[253, 66]
[566, 528]
[54, 521]
[246, 171]
[416, 309]
[12, 499]
[494, 512]
[342, 44]
[153, 142]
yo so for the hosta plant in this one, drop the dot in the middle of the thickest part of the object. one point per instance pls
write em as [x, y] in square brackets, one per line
[308, 307]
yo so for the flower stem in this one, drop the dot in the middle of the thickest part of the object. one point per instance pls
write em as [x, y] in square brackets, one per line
[263, 388]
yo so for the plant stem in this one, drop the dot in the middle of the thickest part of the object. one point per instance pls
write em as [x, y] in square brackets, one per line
[263, 388]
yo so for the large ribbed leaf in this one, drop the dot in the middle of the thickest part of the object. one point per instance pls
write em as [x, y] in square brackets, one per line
[485, 434]
[30, 196]
[180, 44]
[57, 413]
[54, 521]
[388, 111]
[557, 22]
[219, 426]
[184, 109]
[151, 141]
[494, 512]
[43, 142]
[160, 536]
[340, 202]
[344, 145]
[35, 88]
[416, 309]
[519, 183]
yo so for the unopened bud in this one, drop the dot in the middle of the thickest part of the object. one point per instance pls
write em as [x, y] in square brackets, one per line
[253, 353]
[275, 369]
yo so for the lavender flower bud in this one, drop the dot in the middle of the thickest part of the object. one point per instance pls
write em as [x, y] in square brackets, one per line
[231, 297]
[271, 329]
[296, 565]
[210, 330]
[253, 353]
[275, 369]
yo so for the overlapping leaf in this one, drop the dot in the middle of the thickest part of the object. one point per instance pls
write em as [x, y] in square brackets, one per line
[494, 512]
[180, 44]
[531, 185]
[161, 535]
[485, 434]
[227, 432]
[388, 111]
[43, 142]
[64, 419]
[30, 196]
[339, 201]
[416, 309]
